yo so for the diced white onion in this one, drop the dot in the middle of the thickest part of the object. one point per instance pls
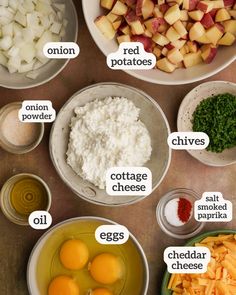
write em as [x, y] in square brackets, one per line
[25, 27]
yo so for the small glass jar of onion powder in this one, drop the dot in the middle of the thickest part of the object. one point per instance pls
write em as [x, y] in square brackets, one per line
[15, 136]
[175, 214]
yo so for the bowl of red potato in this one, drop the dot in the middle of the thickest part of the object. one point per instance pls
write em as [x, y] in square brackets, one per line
[191, 39]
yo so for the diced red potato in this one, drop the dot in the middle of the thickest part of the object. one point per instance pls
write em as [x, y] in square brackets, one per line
[232, 13]
[105, 26]
[174, 56]
[157, 51]
[196, 31]
[218, 4]
[227, 40]
[164, 51]
[205, 6]
[160, 2]
[137, 28]
[172, 34]
[207, 21]
[164, 7]
[169, 46]
[160, 39]
[221, 15]
[181, 33]
[153, 24]
[184, 15]
[131, 17]
[214, 34]
[107, 4]
[138, 8]
[213, 12]
[166, 66]
[157, 12]
[130, 2]
[185, 37]
[172, 14]
[192, 45]
[229, 3]
[147, 8]
[178, 43]
[147, 33]
[191, 59]
[125, 29]
[119, 8]
[230, 26]
[147, 42]
[123, 38]
[180, 28]
[220, 27]
[196, 15]
[208, 53]
[203, 39]
[190, 4]
[112, 17]
[116, 24]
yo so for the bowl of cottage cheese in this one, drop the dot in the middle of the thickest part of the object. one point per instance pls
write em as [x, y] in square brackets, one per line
[108, 125]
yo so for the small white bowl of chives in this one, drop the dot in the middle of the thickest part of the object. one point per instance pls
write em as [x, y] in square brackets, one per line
[222, 157]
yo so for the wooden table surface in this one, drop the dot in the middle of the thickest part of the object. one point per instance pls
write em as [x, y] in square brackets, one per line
[16, 242]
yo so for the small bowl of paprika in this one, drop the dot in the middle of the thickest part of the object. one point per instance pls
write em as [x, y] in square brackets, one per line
[175, 214]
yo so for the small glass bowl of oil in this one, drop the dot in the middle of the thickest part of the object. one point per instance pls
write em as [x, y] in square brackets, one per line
[23, 194]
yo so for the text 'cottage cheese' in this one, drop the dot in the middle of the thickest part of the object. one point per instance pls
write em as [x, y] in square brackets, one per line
[107, 133]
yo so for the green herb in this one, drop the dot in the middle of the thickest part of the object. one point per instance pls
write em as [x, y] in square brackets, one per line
[216, 116]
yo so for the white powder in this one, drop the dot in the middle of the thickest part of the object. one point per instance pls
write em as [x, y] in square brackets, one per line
[18, 133]
[107, 133]
[171, 213]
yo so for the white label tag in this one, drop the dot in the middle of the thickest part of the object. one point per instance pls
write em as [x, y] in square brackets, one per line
[188, 140]
[40, 219]
[112, 234]
[37, 111]
[213, 208]
[129, 181]
[187, 259]
[131, 56]
[61, 50]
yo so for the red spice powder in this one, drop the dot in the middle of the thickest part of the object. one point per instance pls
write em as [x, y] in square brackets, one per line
[184, 209]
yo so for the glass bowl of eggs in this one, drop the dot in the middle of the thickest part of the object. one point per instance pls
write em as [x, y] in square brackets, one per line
[175, 214]
[68, 257]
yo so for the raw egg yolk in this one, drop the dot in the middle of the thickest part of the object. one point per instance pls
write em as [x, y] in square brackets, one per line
[101, 291]
[74, 254]
[63, 285]
[106, 268]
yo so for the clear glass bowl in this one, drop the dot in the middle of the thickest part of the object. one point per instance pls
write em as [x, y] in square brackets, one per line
[5, 198]
[18, 149]
[187, 230]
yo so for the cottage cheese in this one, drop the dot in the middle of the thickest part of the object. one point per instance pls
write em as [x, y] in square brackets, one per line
[107, 133]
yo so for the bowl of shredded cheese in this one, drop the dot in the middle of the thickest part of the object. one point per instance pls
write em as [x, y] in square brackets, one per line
[220, 275]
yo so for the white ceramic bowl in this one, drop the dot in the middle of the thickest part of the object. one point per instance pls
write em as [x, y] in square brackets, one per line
[151, 115]
[61, 229]
[53, 67]
[225, 56]
[185, 114]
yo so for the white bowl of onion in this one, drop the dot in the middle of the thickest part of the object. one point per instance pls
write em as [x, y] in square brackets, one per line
[182, 74]
[25, 27]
